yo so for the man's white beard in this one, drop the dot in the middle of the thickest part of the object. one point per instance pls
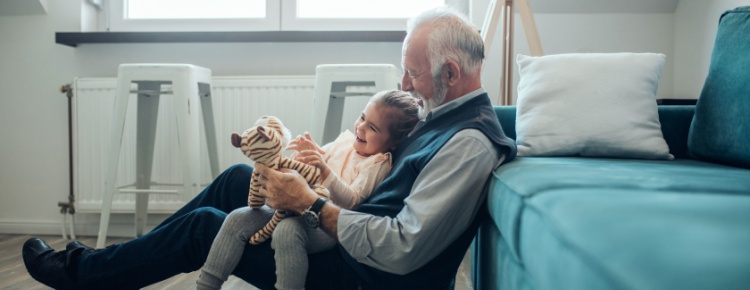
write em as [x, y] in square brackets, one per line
[437, 99]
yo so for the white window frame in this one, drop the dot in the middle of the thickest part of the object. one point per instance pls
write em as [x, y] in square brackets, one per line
[289, 21]
[280, 16]
[117, 21]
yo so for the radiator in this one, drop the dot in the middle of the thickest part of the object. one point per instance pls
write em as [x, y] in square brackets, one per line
[237, 102]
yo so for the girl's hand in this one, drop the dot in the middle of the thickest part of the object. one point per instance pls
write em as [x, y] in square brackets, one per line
[314, 158]
[304, 143]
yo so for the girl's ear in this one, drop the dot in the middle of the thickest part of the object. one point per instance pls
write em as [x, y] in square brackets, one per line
[451, 72]
[394, 144]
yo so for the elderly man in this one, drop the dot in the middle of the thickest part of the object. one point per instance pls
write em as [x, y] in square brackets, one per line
[410, 234]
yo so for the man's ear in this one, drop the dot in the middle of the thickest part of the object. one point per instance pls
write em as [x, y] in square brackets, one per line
[451, 72]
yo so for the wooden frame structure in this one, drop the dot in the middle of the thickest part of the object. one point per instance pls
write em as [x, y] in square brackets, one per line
[502, 11]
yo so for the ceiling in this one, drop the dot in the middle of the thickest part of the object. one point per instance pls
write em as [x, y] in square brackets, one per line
[22, 7]
[603, 6]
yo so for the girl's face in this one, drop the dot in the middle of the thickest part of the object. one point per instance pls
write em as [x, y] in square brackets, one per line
[371, 130]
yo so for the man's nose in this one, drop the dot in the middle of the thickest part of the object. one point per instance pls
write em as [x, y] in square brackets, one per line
[406, 83]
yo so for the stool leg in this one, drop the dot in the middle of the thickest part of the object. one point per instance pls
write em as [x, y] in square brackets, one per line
[115, 143]
[188, 135]
[148, 109]
[334, 111]
[204, 91]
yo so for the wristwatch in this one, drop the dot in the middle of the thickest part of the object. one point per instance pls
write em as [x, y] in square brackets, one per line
[311, 216]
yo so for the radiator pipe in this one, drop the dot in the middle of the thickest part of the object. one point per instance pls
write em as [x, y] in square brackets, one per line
[69, 207]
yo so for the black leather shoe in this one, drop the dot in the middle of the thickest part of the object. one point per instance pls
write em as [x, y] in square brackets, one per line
[72, 246]
[47, 266]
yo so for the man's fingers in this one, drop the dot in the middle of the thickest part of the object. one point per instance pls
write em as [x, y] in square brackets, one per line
[265, 173]
[263, 192]
[260, 168]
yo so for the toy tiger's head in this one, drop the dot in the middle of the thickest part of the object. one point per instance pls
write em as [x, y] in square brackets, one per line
[264, 141]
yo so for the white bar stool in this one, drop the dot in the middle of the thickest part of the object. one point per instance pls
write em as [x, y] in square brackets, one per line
[331, 82]
[191, 89]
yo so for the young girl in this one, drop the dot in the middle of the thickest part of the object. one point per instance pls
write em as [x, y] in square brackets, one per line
[351, 166]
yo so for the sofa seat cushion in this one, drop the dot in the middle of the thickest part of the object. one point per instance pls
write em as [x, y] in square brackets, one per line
[584, 223]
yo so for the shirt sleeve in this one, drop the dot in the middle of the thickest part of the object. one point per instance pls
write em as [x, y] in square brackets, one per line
[444, 199]
[350, 196]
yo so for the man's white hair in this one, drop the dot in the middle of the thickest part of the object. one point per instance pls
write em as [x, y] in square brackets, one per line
[453, 37]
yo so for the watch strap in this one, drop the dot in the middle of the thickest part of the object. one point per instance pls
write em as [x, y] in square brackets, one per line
[318, 205]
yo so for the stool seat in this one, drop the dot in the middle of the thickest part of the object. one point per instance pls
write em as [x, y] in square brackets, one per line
[190, 87]
[331, 83]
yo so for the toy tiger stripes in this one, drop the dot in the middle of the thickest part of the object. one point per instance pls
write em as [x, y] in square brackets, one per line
[263, 144]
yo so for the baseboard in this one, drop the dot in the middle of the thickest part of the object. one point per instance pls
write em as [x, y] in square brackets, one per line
[30, 228]
[85, 225]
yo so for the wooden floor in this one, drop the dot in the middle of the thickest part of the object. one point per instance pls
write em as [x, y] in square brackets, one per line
[13, 273]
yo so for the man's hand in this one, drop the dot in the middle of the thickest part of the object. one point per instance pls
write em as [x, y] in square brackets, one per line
[285, 189]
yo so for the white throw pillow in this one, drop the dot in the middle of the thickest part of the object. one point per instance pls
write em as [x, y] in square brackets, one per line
[590, 104]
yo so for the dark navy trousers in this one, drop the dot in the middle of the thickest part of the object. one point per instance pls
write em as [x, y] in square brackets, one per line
[181, 244]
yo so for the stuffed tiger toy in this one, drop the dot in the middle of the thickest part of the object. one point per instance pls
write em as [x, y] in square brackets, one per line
[263, 144]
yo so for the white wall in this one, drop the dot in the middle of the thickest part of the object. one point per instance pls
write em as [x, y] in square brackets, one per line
[33, 126]
[696, 22]
[574, 33]
[33, 114]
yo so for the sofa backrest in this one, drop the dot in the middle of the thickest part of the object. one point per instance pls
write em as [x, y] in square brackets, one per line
[675, 125]
[721, 128]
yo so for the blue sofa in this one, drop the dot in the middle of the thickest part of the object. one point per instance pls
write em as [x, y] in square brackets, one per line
[598, 223]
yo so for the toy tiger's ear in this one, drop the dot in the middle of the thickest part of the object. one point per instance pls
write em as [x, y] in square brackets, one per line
[236, 140]
[262, 132]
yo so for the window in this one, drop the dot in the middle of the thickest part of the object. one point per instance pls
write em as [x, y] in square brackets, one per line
[351, 14]
[193, 15]
[172, 9]
[262, 15]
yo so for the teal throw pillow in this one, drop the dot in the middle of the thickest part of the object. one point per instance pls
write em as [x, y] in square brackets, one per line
[720, 131]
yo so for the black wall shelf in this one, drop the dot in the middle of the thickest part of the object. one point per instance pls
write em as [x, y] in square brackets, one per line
[74, 39]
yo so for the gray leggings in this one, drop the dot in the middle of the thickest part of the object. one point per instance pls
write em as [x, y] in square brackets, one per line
[292, 240]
